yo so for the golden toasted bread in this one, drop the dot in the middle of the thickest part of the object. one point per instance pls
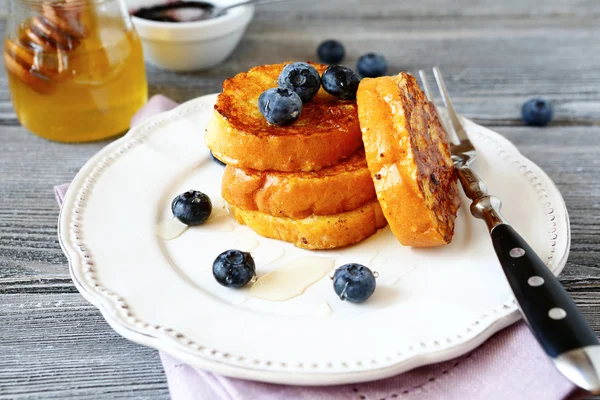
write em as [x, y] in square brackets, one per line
[341, 187]
[317, 231]
[409, 159]
[326, 131]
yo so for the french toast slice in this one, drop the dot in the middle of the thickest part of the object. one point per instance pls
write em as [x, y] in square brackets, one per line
[341, 187]
[408, 155]
[316, 232]
[326, 131]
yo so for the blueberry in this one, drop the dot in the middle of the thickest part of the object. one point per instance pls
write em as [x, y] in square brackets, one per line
[215, 159]
[302, 78]
[280, 106]
[192, 207]
[341, 82]
[354, 282]
[537, 112]
[372, 65]
[234, 268]
[331, 52]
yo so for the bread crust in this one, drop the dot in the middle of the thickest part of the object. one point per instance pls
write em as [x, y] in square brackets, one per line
[317, 232]
[326, 131]
[409, 159]
[341, 187]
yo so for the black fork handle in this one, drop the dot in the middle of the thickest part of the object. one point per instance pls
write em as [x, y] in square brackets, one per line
[548, 309]
[550, 312]
[552, 315]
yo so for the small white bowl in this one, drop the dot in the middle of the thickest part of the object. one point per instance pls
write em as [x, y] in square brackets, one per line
[191, 46]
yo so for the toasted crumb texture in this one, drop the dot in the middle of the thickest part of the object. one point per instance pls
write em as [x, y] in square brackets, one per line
[316, 231]
[341, 187]
[409, 159]
[326, 132]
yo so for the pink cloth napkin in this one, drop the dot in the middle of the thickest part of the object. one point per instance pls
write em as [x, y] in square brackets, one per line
[509, 366]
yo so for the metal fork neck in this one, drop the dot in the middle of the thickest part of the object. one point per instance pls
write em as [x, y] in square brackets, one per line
[484, 206]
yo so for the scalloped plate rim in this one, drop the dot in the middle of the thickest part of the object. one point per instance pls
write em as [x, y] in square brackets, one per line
[318, 378]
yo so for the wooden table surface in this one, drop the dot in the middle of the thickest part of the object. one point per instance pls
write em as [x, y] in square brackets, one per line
[496, 55]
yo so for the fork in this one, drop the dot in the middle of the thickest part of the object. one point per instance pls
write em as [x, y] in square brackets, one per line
[551, 314]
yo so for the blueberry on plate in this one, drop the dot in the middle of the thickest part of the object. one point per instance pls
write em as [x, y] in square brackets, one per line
[341, 82]
[302, 78]
[234, 268]
[537, 112]
[192, 207]
[331, 52]
[215, 159]
[280, 106]
[372, 65]
[354, 282]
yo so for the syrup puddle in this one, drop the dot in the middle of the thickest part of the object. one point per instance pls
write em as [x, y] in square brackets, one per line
[241, 301]
[392, 280]
[292, 279]
[226, 226]
[170, 229]
[247, 244]
[219, 209]
[269, 256]
[219, 217]
[372, 257]
[323, 309]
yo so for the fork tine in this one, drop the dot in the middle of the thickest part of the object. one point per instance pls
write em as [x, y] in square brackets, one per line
[425, 84]
[458, 127]
[449, 131]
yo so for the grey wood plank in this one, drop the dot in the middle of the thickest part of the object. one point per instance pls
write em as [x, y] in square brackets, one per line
[509, 60]
[431, 9]
[571, 161]
[360, 9]
[59, 347]
[501, 59]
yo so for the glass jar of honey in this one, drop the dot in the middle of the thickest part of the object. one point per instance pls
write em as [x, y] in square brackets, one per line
[75, 67]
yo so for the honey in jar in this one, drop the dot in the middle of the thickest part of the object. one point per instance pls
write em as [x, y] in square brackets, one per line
[75, 68]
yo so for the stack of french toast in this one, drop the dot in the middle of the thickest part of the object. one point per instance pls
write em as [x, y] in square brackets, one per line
[342, 170]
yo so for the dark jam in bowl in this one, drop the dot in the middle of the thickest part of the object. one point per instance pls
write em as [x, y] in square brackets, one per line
[177, 11]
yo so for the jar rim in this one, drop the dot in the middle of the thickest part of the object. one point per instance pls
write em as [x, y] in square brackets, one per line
[67, 5]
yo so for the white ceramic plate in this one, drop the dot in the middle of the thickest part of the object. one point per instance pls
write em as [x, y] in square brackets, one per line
[430, 304]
